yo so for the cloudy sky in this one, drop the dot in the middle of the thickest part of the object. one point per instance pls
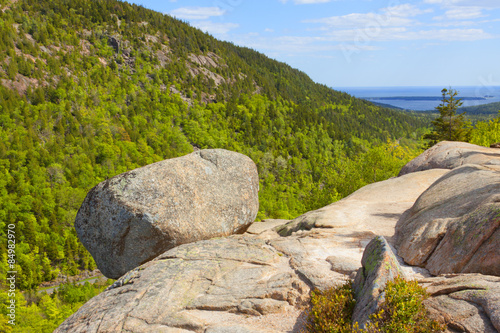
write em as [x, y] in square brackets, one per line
[360, 43]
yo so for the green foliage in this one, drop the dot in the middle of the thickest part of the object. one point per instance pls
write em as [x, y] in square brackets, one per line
[43, 312]
[331, 310]
[483, 109]
[402, 311]
[486, 133]
[449, 126]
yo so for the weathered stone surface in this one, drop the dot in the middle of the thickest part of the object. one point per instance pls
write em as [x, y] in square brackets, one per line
[465, 302]
[379, 267]
[205, 286]
[326, 245]
[450, 155]
[229, 329]
[258, 282]
[133, 217]
[375, 207]
[258, 228]
[243, 281]
[454, 225]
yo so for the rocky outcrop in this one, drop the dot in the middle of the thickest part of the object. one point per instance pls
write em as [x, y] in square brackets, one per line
[256, 282]
[132, 218]
[375, 207]
[454, 226]
[462, 302]
[379, 267]
[451, 155]
[465, 302]
[260, 281]
[233, 284]
[326, 245]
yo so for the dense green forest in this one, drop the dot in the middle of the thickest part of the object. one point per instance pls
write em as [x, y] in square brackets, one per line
[91, 89]
[484, 109]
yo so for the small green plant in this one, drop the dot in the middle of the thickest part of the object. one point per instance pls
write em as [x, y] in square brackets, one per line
[402, 311]
[331, 310]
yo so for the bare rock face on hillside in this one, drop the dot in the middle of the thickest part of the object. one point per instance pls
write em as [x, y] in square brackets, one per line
[450, 155]
[454, 226]
[130, 219]
[233, 284]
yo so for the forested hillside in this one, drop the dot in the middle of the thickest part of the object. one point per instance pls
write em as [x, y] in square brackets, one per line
[484, 109]
[90, 89]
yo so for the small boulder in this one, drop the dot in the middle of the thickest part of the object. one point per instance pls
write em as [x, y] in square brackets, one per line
[130, 219]
[379, 267]
[450, 155]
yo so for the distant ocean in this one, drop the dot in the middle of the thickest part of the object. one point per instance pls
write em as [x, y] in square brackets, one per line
[423, 98]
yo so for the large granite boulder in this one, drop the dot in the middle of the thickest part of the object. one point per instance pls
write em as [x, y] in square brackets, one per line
[454, 226]
[450, 155]
[379, 267]
[233, 284]
[465, 302]
[132, 218]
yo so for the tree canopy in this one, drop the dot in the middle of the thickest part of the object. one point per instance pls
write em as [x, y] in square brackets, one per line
[449, 125]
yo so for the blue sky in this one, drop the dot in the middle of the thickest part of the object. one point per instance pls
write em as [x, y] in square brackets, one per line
[360, 43]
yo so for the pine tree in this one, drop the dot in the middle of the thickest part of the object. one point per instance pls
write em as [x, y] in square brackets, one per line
[449, 126]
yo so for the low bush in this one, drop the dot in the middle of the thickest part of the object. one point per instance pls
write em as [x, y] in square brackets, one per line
[331, 310]
[402, 311]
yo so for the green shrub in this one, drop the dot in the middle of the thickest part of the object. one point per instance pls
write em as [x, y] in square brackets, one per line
[402, 311]
[331, 310]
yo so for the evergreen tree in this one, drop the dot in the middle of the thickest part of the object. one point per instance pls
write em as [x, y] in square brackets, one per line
[449, 126]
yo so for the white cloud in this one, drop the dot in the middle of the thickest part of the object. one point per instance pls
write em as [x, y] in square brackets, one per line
[450, 35]
[477, 3]
[357, 37]
[405, 10]
[395, 16]
[462, 13]
[306, 2]
[398, 23]
[215, 28]
[295, 45]
[357, 20]
[443, 23]
[197, 13]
